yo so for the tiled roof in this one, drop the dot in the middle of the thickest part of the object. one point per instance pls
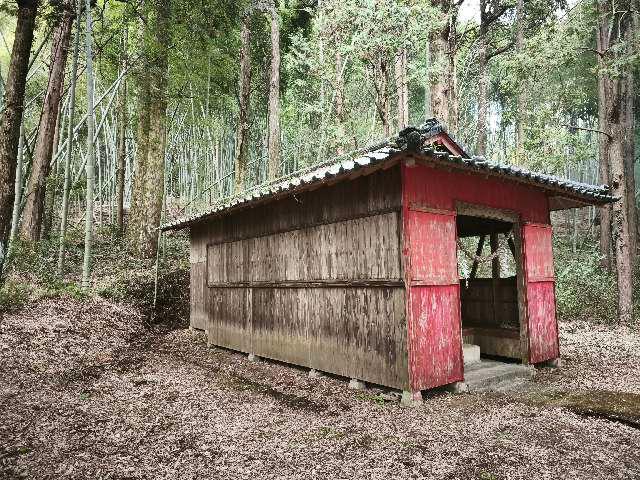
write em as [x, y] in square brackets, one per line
[411, 140]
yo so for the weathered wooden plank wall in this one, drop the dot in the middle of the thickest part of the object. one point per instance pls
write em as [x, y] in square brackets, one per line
[365, 248]
[198, 257]
[481, 309]
[314, 280]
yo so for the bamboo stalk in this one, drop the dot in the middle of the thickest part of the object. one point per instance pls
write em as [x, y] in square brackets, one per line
[69, 152]
[86, 266]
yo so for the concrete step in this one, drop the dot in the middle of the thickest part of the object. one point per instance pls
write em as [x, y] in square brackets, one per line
[470, 354]
[488, 376]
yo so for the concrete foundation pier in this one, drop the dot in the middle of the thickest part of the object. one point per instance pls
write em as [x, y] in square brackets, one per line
[355, 384]
[457, 387]
[313, 373]
[411, 398]
[554, 363]
[253, 357]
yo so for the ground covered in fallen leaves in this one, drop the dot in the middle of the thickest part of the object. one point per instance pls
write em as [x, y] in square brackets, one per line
[91, 389]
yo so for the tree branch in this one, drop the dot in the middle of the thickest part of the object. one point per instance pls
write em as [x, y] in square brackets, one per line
[608, 135]
[501, 50]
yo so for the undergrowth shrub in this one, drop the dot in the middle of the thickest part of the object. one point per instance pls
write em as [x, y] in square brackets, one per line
[584, 290]
[116, 272]
[13, 295]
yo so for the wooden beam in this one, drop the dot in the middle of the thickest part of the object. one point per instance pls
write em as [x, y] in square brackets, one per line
[512, 247]
[495, 272]
[474, 267]
[356, 283]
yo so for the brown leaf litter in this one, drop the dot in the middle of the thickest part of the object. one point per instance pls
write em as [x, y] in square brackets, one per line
[89, 389]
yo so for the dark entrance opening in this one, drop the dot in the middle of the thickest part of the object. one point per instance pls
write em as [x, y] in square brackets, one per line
[488, 267]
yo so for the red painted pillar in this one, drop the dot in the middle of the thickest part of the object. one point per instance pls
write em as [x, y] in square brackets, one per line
[433, 294]
[540, 292]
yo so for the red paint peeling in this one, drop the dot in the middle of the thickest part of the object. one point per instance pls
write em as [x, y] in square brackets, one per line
[539, 252]
[541, 300]
[435, 350]
[429, 252]
[441, 189]
[429, 235]
[543, 329]
[433, 308]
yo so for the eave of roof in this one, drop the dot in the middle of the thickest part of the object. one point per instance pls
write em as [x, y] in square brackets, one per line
[411, 141]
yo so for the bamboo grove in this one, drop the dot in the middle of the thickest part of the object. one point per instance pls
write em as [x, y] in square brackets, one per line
[120, 114]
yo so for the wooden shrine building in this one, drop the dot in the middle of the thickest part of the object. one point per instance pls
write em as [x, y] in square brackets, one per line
[352, 267]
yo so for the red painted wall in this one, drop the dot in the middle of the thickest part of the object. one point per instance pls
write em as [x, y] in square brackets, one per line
[433, 300]
[541, 298]
[441, 189]
[429, 251]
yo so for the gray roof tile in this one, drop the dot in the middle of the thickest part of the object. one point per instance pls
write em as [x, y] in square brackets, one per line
[386, 151]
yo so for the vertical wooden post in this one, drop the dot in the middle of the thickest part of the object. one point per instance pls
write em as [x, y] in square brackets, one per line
[474, 267]
[495, 273]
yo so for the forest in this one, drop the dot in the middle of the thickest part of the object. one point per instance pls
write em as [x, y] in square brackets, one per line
[160, 109]
[119, 116]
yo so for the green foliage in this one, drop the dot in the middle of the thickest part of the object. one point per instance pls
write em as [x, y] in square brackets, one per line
[366, 36]
[63, 288]
[584, 290]
[35, 262]
[117, 273]
[13, 295]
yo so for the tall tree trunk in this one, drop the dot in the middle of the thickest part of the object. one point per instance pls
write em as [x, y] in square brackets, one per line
[402, 93]
[122, 140]
[381, 81]
[244, 89]
[339, 100]
[88, 225]
[438, 44]
[50, 196]
[69, 153]
[483, 84]
[615, 26]
[442, 50]
[490, 13]
[147, 202]
[451, 74]
[136, 211]
[427, 89]
[15, 218]
[274, 97]
[522, 96]
[35, 194]
[602, 44]
[11, 118]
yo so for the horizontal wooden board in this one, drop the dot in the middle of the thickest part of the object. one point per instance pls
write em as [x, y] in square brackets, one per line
[357, 332]
[378, 192]
[364, 248]
[439, 188]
